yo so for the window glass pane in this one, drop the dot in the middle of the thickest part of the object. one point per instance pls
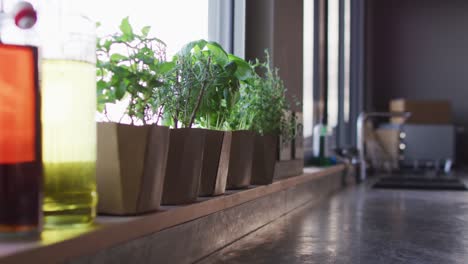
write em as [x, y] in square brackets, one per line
[308, 67]
[347, 61]
[333, 63]
[176, 22]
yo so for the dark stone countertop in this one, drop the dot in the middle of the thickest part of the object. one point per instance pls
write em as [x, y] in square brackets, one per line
[363, 225]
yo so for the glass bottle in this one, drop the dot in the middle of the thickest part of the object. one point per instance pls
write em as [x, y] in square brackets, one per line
[321, 143]
[68, 87]
[20, 129]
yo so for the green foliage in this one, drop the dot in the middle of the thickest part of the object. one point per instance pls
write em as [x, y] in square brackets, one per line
[186, 84]
[202, 85]
[202, 88]
[262, 106]
[223, 94]
[131, 66]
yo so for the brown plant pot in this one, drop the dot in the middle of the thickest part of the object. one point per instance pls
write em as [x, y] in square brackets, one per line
[184, 166]
[213, 181]
[131, 165]
[240, 159]
[264, 159]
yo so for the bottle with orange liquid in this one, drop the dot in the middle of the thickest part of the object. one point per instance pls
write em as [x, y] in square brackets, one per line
[20, 127]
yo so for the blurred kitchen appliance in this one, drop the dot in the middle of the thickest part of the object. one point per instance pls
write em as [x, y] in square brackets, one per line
[422, 145]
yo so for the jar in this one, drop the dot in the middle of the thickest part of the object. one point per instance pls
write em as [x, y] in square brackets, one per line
[68, 85]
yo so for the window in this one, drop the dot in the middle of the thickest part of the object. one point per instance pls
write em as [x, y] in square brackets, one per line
[339, 70]
[333, 62]
[176, 22]
[308, 104]
[347, 58]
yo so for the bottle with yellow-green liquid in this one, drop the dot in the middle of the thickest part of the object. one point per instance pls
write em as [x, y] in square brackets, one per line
[68, 88]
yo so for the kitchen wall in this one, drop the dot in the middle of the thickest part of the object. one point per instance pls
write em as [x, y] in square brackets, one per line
[419, 49]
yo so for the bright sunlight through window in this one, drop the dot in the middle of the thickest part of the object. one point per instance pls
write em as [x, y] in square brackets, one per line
[176, 22]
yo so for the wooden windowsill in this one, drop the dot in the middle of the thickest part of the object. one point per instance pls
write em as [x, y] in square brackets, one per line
[59, 245]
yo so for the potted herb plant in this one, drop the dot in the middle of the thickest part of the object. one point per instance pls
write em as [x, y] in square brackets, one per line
[217, 105]
[132, 148]
[194, 73]
[267, 110]
[238, 140]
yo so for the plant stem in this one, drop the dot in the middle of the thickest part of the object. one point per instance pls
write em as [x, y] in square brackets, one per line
[106, 112]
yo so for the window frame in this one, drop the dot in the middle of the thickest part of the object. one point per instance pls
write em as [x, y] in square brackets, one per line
[226, 25]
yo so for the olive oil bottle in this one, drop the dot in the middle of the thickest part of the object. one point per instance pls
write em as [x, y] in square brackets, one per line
[69, 138]
[68, 88]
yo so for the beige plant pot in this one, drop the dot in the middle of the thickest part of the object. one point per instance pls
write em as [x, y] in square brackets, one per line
[184, 166]
[131, 165]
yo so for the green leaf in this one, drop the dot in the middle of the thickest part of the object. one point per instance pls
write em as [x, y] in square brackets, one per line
[147, 60]
[196, 50]
[100, 107]
[107, 44]
[231, 67]
[126, 29]
[101, 103]
[166, 67]
[167, 119]
[244, 70]
[101, 86]
[223, 103]
[219, 54]
[187, 48]
[116, 57]
[120, 90]
[145, 31]
[110, 96]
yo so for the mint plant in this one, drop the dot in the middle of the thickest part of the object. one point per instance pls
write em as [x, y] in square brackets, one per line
[131, 67]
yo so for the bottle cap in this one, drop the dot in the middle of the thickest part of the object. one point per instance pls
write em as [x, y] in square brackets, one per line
[24, 14]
